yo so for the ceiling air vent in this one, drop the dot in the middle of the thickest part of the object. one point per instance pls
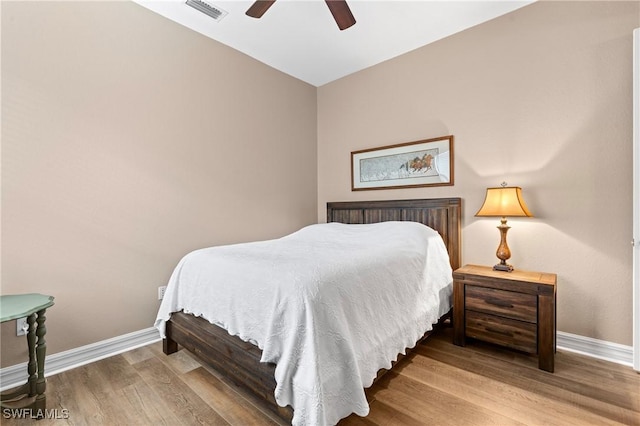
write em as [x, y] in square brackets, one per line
[215, 12]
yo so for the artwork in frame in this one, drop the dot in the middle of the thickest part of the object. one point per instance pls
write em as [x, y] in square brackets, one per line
[427, 162]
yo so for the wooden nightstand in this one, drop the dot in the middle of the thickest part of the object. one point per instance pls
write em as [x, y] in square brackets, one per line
[513, 309]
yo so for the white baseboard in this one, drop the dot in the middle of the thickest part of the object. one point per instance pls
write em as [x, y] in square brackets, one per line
[601, 349]
[16, 375]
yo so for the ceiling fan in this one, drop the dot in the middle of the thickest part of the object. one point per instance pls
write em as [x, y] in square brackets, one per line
[339, 9]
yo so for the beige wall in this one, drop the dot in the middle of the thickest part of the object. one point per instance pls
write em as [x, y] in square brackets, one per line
[127, 141]
[540, 98]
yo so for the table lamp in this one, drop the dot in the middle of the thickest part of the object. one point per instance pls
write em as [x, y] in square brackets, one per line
[503, 202]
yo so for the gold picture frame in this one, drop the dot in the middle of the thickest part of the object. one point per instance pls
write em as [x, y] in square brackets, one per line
[427, 162]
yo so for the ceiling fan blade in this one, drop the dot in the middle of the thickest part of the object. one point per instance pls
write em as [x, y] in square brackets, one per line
[259, 7]
[341, 13]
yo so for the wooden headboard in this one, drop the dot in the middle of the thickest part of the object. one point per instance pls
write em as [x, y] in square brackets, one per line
[441, 214]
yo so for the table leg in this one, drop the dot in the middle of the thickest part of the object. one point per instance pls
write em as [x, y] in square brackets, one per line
[32, 364]
[458, 313]
[546, 332]
[41, 351]
[27, 394]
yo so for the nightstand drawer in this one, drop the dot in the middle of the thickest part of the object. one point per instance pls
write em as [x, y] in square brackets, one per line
[509, 304]
[511, 333]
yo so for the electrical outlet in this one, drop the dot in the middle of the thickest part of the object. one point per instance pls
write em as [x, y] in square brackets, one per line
[21, 326]
[161, 291]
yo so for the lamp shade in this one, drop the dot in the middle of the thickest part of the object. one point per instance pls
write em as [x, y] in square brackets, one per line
[504, 201]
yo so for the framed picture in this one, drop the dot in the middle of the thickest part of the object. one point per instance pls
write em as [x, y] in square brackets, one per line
[422, 163]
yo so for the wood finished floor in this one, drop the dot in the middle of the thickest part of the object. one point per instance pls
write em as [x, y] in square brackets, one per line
[440, 384]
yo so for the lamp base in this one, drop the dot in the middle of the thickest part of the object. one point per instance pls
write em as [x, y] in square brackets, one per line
[503, 267]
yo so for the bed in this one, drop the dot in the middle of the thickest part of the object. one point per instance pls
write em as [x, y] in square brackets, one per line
[239, 358]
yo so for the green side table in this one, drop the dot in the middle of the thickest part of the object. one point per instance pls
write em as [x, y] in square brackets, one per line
[33, 306]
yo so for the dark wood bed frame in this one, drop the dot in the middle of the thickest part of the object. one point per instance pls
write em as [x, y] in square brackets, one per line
[239, 361]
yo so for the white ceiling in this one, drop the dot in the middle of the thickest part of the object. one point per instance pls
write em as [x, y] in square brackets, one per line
[300, 37]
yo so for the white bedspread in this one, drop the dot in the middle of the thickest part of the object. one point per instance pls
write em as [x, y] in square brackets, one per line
[330, 304]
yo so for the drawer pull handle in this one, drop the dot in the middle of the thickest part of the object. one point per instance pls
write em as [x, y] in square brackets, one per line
[493, 330]
[498, 302]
